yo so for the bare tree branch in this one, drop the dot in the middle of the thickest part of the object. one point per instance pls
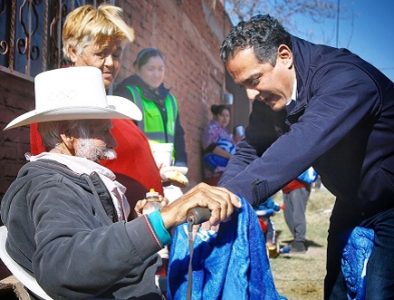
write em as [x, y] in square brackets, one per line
[287, 11]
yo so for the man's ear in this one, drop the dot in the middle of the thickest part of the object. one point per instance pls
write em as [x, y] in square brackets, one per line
[68, 141]
[285, 55]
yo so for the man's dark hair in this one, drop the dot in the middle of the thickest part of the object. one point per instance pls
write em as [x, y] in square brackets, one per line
[263, 33]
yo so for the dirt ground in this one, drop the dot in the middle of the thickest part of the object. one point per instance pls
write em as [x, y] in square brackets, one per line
[300, 276]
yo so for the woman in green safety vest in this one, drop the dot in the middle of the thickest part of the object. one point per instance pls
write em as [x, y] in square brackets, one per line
[159, 107]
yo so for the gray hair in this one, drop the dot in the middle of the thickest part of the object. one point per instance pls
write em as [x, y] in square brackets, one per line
[51, 131]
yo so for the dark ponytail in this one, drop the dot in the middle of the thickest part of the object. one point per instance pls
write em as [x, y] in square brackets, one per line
[217, 109]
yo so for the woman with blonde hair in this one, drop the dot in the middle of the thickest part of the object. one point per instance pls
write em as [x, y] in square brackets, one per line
[96, 37]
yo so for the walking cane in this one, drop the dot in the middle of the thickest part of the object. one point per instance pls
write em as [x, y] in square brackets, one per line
[195, 216]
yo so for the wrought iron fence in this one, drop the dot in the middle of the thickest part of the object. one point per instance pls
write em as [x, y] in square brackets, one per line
[30, 34]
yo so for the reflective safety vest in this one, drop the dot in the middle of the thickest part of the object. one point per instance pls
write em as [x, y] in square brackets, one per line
[152, 123]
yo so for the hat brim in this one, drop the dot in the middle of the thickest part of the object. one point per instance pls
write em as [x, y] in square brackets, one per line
[118, 108]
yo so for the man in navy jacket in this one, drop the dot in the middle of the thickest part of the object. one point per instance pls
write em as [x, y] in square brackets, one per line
[341, 115]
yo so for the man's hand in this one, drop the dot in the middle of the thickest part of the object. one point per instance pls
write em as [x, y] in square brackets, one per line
[220, 201]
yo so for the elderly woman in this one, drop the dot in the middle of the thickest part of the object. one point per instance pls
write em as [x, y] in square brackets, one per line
[67, 216]
[96, 37]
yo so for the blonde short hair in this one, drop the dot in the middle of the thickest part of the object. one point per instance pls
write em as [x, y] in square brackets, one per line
[87, 24]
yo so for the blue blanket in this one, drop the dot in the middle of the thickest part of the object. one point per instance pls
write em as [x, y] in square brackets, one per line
[354, 261]
[229, 264]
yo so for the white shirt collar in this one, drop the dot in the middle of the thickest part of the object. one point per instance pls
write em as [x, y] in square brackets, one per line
[294, 92]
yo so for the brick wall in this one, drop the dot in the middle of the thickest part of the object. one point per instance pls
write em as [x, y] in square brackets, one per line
[16, 97]
[188, 32]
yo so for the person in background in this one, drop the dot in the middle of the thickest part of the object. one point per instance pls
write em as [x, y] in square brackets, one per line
[96, 37]
[341, 114]
[161, 122]
[67, 216]
[265, 211]
[217, 144]
[295, 198]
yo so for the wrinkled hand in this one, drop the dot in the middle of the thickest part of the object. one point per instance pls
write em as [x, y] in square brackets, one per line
[140, 204]
[220, 201]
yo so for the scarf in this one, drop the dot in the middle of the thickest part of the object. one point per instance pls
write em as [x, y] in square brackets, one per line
[81, 165]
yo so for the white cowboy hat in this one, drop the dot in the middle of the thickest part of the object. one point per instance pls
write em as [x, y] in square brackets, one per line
[74, 93]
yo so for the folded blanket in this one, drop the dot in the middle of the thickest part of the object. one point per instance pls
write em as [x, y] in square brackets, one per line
[229, 264]
[354, 261]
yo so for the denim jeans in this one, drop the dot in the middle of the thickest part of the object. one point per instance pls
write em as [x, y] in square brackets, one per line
[380, 267]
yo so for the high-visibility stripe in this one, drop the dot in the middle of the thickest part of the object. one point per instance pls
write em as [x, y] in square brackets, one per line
[137, 100]
[153, 124]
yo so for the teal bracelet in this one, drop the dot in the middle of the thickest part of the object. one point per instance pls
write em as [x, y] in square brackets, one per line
[160, 230]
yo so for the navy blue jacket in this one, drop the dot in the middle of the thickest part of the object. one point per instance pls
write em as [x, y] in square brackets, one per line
[342, 124]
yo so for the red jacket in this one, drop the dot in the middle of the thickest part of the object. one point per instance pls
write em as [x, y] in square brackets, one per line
[294, 185]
